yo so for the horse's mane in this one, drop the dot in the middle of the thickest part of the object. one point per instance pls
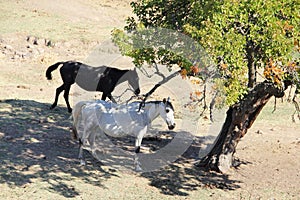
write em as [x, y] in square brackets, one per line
[169, 104]
[117, 68]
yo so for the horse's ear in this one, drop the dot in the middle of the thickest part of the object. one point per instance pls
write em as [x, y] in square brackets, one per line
[134, 69]
[164, 100]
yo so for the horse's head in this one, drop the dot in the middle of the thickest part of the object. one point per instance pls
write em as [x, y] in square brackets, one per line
[167, 113]
[133, 80]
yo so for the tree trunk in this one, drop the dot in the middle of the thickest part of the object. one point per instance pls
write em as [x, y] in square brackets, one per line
[239, 119]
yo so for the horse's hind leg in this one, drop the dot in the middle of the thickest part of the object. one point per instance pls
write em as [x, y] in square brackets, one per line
[58, 91]
[137, 164]
[66, 96]
[80, 155]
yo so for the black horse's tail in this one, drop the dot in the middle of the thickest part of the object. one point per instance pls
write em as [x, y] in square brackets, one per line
[52, 68]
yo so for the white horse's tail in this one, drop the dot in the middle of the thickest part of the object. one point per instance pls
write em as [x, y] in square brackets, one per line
[76, 114]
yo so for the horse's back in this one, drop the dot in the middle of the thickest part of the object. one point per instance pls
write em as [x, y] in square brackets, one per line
[88, 77]
[113, 119]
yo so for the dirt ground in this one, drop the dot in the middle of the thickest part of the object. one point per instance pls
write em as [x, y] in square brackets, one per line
[38, 157]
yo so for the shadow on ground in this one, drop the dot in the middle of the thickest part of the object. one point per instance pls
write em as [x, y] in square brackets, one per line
[177, 180]
[183, 176]
[36, 145]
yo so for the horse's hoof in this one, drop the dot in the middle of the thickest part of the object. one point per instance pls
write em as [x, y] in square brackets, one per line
[53, 106]
[138, 169]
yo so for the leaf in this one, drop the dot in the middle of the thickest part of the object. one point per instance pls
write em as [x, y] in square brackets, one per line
[183, 73]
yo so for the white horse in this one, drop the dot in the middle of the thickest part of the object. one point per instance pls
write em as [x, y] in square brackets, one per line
[117, 120]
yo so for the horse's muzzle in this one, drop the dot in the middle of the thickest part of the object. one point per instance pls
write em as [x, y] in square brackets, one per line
[137, 91]
[171, 127]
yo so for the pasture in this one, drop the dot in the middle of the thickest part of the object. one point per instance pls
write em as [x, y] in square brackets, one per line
[38, 156]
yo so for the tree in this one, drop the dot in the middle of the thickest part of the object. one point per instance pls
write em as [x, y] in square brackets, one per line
[241, 37]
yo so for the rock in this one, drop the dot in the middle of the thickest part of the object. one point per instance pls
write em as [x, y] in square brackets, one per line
[8, 47]
[23, 87]
[30, 39]
[29, 46]
[19, 54]
[41, 41]
[49, 43]
[35, 42]
[14, 57]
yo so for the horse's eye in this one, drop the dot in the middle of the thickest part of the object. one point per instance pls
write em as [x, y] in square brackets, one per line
[167, 110]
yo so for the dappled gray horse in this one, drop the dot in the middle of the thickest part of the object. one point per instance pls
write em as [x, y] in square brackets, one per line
[117, 120]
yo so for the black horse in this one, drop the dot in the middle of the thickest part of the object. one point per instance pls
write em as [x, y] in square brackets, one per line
[103, 79]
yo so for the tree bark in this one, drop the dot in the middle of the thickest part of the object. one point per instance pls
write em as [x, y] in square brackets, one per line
[239, 119]
[250, 52]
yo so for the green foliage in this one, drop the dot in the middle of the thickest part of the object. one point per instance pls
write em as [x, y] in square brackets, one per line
[236, 33]
[160, 45]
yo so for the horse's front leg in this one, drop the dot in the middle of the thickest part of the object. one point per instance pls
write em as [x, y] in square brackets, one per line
[111, 98]
[103, 96]
[137, 164]
[138, 143]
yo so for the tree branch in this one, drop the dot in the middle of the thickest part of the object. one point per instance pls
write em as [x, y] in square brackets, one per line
[165, 80]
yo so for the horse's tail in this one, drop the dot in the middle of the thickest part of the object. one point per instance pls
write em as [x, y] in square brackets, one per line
[76, 115]
[52, 68]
